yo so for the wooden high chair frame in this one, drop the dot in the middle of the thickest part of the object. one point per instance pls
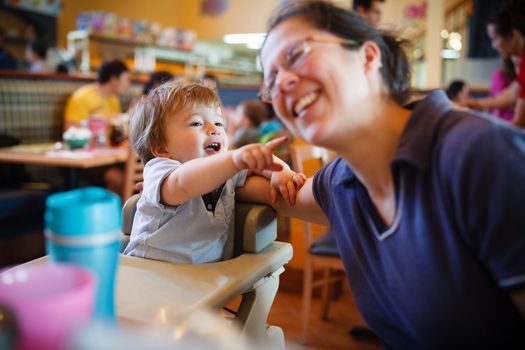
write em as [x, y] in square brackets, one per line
[132, 174]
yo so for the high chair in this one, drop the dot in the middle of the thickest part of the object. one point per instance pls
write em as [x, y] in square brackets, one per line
[149, 289]
[320, 253]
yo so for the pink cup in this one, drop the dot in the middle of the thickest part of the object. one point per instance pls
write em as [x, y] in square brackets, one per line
[99, 128]
[49, 302]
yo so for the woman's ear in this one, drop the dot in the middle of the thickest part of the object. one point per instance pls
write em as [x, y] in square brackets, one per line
[370, 56]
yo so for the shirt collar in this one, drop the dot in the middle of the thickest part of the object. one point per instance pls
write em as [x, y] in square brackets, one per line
[415, 145]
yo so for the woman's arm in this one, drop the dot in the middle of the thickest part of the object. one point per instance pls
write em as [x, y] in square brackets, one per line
[519, 114]
[506, 99]
[257, 189]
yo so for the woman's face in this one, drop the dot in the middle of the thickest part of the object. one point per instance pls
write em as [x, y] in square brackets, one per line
[500, 43]
[319, 97]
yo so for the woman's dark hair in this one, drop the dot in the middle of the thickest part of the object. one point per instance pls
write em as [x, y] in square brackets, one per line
[510, 16]
[111, 69]
[347, 24]
[454, 88]
[508, 69]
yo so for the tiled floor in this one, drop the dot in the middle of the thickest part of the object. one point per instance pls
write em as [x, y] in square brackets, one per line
[331, 334]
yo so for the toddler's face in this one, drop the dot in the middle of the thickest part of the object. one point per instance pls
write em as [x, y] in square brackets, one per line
[194, 134]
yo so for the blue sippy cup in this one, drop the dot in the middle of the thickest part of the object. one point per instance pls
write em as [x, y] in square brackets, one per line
[83, 228]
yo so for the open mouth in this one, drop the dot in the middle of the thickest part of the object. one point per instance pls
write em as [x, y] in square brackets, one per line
[213, 147]
[304, 102]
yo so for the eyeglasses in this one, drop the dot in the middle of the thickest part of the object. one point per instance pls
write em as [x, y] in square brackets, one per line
[295, 56]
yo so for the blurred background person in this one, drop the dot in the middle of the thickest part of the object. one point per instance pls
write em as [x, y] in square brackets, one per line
[210, 81]
[271, 123]
[249, 116]
[458, 92]
[501, 78]
[369, 9]
[98, 102]
[506, 31]
[156, 79]
[35, 56]
[7, 61]
[100, 98]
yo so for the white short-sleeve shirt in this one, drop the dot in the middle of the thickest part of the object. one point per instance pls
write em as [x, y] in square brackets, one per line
[188, 232]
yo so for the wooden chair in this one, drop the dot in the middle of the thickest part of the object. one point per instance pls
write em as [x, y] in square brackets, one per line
[132, 174]
[321, 253]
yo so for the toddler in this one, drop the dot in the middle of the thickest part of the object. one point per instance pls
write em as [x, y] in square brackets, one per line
[186, 211]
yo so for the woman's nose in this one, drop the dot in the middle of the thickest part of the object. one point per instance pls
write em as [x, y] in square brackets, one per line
[286, 80]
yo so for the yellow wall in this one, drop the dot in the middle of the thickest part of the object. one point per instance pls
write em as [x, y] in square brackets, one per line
[242, 16]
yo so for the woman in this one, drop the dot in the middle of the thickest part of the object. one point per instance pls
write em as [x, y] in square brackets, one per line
[425, 204]
[506, 31]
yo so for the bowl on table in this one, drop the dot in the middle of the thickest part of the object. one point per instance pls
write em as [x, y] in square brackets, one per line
[77, 137]
[76, 143]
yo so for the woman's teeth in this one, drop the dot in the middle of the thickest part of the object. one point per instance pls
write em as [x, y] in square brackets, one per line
[305, 101]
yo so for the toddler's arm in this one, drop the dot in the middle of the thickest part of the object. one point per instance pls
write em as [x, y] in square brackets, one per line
[202, 175]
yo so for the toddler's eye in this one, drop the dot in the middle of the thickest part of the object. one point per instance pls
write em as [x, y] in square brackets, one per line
[219, 124]
[195, 124]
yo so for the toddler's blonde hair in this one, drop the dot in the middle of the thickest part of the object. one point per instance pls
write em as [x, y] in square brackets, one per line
[148, 116]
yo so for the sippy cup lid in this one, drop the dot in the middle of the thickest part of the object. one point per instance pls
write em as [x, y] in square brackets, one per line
[83, 211]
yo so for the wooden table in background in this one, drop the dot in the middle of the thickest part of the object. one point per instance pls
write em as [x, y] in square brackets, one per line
[47, 155]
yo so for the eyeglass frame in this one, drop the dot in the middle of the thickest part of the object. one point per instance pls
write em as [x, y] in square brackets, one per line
[266, 93]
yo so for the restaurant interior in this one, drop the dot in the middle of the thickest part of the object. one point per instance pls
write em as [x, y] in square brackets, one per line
[276, 278]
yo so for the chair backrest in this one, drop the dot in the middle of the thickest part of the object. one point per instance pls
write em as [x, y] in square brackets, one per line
[308, 159]
[132, 174]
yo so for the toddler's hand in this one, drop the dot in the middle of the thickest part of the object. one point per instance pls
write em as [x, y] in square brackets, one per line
[258, 157]
[287, 182]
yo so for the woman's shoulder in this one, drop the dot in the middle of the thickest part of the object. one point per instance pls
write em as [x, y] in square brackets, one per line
[470, 137]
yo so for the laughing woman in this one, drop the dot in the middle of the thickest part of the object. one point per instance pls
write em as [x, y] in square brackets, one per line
[425, 202]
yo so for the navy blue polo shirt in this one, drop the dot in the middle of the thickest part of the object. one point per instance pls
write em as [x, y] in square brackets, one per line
[441, 275]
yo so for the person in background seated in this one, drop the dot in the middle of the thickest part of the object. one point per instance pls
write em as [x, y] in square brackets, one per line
[186, 211]
[370, 10]
[35, 55]
[156, 79]
[458, 91]
[506, 30]
[210, 81]
[100, 98]
[500, 80]
[271, 123]
[425, 201]
[249, 116]
[7, 61]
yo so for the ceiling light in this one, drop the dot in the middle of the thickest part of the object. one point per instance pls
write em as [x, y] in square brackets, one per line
[251, 40]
